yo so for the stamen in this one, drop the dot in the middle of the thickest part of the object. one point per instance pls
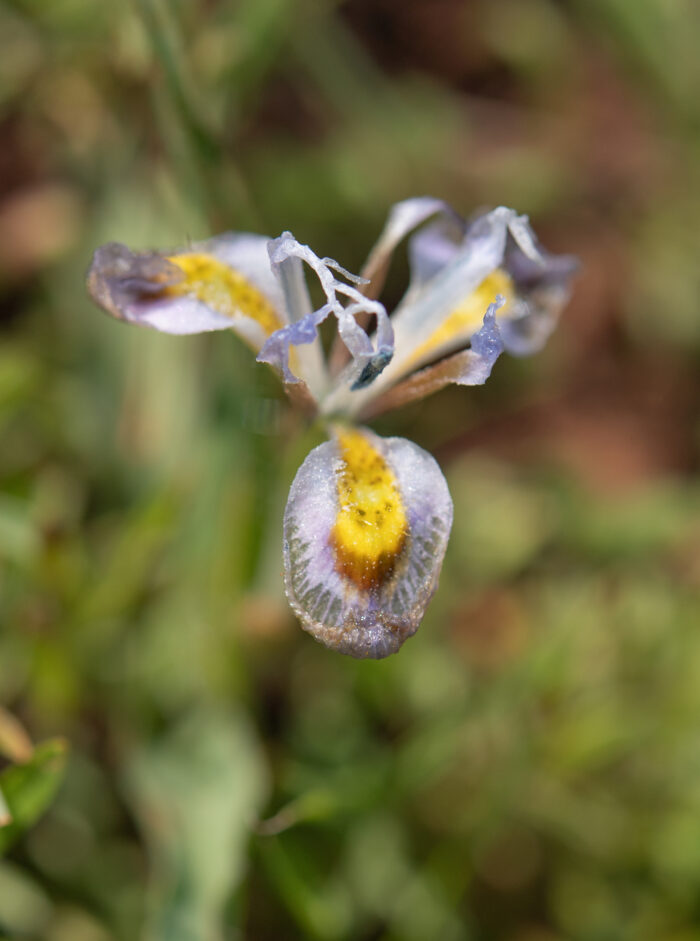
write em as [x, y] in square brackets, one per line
[220, 287]
[371, 525]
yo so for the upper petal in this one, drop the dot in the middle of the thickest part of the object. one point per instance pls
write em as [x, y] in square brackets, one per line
[542, 288]
[223, 283]
[455, 277]
[403, 218]
[365, 532]
[446, 274]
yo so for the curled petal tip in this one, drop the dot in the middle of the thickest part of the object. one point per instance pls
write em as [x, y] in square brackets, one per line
[117, 275]
[344, 301]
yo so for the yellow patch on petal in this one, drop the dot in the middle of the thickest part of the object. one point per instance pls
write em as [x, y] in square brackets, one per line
[371, 526]
[469, 314]
[224, 290]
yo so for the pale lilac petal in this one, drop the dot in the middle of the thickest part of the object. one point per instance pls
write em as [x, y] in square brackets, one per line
[480, 252]
[183, 315]
[499, 239]
[495, 254]
[372, 621]
[470, 367]
[143, 288]
[544, 288]
[403, 218]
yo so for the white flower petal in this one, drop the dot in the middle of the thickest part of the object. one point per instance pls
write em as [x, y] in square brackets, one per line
[454, 280]
[481, 252]
[403, 218]
[470, 367]
[365, 531]
[223, 283]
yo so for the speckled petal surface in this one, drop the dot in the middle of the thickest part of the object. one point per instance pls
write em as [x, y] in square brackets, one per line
[365, 617]
[503, 242]
[225, 283]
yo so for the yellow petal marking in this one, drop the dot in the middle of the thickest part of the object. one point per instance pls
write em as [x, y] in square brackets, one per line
[468, 315]
[223, 289]
[371, 526]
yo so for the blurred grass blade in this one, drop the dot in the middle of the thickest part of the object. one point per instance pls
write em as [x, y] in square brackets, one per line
[320, 907]
[346, 791]
[193, 135]
[29, 788]
[265, 25]
[197, 793]
[168, 48]
[5, 815]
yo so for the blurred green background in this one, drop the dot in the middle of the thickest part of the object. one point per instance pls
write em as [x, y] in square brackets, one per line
[528, 767]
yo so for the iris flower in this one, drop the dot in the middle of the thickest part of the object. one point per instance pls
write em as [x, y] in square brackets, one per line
[368, 518]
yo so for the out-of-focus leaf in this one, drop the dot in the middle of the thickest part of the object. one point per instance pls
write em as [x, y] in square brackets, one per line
[30, 788]
[666, 276]
[321, 908]
[261, 27]
[21, 52]
[345, 792]
[503, 521]
[19, 377]
[530, 36]
[123, 573]
[197, 793]
[653, 520]
[15, 744]
[25, 909]
[647, 30]
[19, 540]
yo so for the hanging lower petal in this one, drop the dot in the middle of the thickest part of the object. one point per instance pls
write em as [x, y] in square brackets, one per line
[224, 283]
[365, 532]
[345, 302]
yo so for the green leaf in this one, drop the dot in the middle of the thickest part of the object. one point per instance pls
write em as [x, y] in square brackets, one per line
[197, 793]
[29, 788]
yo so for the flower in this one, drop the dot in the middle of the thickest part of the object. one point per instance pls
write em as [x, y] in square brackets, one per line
[368, 519]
